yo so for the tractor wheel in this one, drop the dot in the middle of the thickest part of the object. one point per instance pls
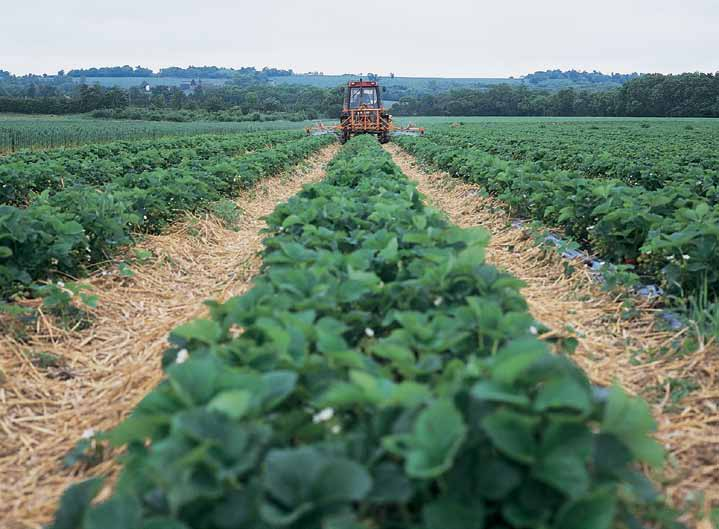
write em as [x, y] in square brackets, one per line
[344, 137]
[383, 137]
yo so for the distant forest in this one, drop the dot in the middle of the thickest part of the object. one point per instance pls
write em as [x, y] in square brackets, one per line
[250, 94]
[576, 76]
[651, 95]
[192, 72]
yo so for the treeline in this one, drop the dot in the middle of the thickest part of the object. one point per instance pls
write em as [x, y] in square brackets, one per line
[112, 71]
[86, 99]
[653, 95]
[66, 84]
[579, 77]
[297, 102]
[311, 101]
[192, 72]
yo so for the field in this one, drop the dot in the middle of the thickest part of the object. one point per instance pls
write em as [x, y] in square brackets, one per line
[19, 132]
[262, 329]
[435, 84]
[130, 82]
[635, 192]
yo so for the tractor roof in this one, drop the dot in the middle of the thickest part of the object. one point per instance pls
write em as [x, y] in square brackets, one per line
[362, 84]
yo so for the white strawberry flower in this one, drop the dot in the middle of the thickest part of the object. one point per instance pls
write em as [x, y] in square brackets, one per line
[89, 433]
[182, 356]
[324, 415]
[369, 332]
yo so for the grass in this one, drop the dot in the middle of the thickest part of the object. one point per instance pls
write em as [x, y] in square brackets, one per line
[19, 132]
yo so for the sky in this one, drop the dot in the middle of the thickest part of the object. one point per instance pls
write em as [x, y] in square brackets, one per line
[444, 38]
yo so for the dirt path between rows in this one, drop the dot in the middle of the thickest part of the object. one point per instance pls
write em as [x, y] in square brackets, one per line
[682, 389]
[112, 365]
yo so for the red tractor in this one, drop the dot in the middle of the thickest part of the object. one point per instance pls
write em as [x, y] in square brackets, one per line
[363, 113]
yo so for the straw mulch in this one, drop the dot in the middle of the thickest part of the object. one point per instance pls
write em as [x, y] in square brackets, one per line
[109, 367]
[634, 352]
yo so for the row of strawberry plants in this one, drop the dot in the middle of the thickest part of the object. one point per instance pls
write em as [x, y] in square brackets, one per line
[66, 232]
[379, 375]
[670, 234]
[24, 175]
[650, 154]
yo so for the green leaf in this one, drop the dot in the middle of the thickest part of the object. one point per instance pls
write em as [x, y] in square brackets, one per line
[409, 394]
[450, 513]
[205, 331]
[137, 427]
[278, 385]
[389, 485]
[630, 421]
[393, 351]
[342, 480]
[74, 503]
[233, 403]
[194, 380]
[389, 253]
[291, 220]
[591, 512]
[89, 299]
[512, 434]
[329, 335]
[303, 479]
[437, 436]
[564, 393]
[163, 523]
[564, 472]
[5, 252]
[121, 511]
[497, 478]
[495, 392]
[419, 221]
[517, 357]
[125, 270]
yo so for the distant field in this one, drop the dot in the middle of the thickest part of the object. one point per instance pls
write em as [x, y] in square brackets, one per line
[19, 132]
[437, 84]
[418, 84]
[430, 121]
[129, 82]
[42, 132]
[415, 83]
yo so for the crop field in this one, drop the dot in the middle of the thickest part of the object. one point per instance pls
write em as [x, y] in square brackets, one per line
[46, 132]
[266, 330]
[63, 211]
[635, 192]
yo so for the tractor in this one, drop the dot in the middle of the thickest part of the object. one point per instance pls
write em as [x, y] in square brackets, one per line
[363, 113]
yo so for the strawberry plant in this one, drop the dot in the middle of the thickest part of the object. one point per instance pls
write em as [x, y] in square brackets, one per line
[619, 220]
[66, 231]
[378, 375]
[25, 174]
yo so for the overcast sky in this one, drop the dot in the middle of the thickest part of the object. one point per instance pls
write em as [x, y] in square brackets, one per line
[470, 38]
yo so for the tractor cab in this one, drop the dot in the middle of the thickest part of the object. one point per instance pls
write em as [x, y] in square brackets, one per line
[362, 94]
